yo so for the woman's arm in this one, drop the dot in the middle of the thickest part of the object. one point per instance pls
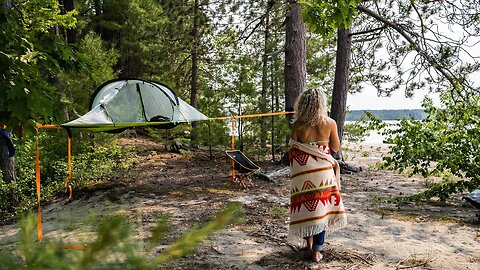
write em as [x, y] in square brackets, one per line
[293, 134]
[334, 140]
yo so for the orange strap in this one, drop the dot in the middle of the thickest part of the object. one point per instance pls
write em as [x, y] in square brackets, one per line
[66, 246]
[77, 247]
[47, 126]
[37, 175]
[69, 174]
[251, 115]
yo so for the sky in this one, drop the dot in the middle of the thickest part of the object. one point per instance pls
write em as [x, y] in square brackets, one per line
[368, 100]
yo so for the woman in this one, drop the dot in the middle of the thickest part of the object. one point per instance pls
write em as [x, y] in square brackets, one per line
[316, 206]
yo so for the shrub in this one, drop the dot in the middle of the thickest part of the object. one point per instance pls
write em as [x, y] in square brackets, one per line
[100, 160]
[445, 141]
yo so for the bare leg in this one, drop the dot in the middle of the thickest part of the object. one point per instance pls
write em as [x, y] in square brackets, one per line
[318, 240]
[309, 242]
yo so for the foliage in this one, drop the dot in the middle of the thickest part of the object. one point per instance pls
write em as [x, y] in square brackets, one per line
[446, 141]
[325, 17]
[80, 85]
[320, 62]
[29, 57]
[113, 247]
[412, 45]
[90, 163]
[357, 131]
[354, 132]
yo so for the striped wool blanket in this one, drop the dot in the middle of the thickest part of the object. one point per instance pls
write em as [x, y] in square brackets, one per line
[315, 201]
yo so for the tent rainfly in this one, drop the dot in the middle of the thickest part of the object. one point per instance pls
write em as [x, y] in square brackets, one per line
[124, 103]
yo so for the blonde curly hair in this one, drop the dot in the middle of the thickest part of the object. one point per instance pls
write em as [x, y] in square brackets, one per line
[310, 108]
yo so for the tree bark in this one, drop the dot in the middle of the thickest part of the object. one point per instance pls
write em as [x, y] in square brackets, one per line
[71, 33]
[193, 92]
[263, 98]
[295, 55]
[98, 7]
[273, 97]
[340, 84]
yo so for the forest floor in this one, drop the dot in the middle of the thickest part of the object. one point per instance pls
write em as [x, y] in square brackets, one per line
[190, 188]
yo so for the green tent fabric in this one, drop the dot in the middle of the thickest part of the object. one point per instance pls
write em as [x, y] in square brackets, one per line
[125, 103]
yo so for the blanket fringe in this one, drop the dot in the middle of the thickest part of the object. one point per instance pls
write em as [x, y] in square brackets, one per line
[296, 235]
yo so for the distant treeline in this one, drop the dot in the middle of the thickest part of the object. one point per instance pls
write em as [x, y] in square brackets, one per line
[387, 114]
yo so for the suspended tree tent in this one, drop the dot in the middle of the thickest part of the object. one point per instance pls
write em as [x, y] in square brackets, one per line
[120, 104]
[125, 103]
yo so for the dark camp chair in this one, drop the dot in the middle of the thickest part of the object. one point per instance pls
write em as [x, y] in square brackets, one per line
[474, 199]
[243, 166]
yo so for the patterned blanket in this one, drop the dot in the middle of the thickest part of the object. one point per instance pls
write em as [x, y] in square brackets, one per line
[315, 201]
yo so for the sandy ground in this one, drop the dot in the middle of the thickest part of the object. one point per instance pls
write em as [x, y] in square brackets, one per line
[433, 235]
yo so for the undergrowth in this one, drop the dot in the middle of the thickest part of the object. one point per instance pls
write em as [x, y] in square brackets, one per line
[93, 159]
[112, 248]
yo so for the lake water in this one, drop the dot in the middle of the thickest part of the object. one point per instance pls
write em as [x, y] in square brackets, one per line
[375, 136]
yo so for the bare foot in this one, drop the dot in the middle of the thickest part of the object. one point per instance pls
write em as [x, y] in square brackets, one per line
[317, 256]
[309, 242]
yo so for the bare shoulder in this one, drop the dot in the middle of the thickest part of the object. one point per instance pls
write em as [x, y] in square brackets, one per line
[331, 122]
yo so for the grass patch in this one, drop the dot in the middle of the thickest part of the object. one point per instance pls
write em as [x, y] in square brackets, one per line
[278, 210]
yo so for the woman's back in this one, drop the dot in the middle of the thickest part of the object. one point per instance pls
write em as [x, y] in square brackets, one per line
[324, 133]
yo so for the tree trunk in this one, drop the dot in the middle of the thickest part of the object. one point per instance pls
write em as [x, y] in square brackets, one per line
[263, 98]
[193, 92]
[340, 84]
[98, 7]
[272, 104]
[295, 55]
[61, 95]
[71, 33]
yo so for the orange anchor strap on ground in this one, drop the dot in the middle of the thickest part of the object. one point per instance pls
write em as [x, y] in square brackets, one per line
[37, 176]
[76, 247]
[69, 174]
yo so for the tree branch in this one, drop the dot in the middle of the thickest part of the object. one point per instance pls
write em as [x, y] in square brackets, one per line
[275, 52]
[368, 31]
[248, 25]
[453, 81]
